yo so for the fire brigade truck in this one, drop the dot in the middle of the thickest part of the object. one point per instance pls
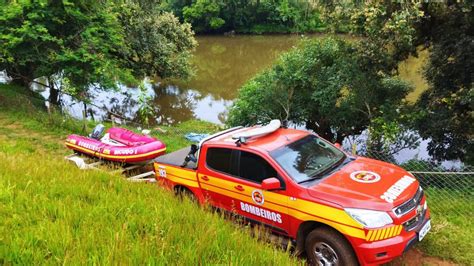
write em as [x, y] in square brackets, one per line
[337, 208]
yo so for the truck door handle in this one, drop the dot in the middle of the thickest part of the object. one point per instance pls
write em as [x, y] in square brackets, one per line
[205, 178]
[239, 188]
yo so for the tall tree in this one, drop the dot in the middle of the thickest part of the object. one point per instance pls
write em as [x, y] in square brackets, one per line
[446, 109]
[76, 44]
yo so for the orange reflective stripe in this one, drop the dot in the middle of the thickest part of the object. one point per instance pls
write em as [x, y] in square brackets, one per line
[369, 234]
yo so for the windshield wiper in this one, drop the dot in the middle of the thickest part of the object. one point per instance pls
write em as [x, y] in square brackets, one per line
[316, 176]
[341, 163]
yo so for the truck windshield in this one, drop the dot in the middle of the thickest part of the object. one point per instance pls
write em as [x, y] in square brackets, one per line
[308, 158]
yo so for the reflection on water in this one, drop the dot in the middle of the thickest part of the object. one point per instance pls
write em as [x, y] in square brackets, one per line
[222, 65]
[411, 71]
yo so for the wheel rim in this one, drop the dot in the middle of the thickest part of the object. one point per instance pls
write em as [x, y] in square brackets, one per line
[325, 254]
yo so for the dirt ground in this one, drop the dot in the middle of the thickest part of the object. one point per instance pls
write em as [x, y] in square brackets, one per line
[415, 257]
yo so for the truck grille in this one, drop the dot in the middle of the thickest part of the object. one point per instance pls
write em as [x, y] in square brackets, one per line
[414, 222]
[410, 204]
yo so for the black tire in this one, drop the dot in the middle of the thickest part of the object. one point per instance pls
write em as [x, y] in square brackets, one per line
[184, 193]
[330, 246]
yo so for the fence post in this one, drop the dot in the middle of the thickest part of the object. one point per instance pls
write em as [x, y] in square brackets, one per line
[84, 116]
[354, 149]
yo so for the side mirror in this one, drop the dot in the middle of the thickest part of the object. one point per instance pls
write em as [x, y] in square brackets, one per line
[271, 184]
[338, 145]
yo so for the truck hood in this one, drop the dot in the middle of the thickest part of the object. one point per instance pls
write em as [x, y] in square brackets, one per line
[367, 184]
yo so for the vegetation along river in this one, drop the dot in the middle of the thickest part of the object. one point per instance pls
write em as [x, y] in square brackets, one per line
[222, 65]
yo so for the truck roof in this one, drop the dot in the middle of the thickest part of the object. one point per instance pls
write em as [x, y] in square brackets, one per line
[269, 142]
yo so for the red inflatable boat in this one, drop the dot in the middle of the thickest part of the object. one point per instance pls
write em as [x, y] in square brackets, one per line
[118, 145]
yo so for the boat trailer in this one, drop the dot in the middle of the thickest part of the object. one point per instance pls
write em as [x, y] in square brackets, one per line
[132, 172]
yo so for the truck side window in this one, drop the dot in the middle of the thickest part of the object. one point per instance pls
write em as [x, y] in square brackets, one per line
[219, 159]
[255, 168]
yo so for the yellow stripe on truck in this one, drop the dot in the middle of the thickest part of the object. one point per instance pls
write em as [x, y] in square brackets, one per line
[369, 234]
[300, 209]
[177, 175]
[325, 212]
[347, 230]
[182, 173]
[392, 231]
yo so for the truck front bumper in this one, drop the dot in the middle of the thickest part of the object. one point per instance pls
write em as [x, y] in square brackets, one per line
[379, 252]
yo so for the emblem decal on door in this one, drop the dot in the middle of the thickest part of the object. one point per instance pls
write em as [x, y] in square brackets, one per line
[257, 196]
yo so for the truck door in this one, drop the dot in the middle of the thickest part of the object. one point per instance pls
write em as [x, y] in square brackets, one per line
[267, 207]
[217, 166]
[239, 189]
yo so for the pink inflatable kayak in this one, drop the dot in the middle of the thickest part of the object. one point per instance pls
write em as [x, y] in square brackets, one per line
[118, 145]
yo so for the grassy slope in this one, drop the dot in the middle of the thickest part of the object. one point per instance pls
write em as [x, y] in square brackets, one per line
[52, 212]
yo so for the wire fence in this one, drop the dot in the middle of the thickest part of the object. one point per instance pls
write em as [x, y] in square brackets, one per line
[449, 190]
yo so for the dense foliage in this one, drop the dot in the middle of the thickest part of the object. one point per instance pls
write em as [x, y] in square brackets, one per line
[248, 16]
[446, 109]
[76, 44]
[326, 85]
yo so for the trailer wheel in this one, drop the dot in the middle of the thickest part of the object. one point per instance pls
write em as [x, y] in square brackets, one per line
[324, 246]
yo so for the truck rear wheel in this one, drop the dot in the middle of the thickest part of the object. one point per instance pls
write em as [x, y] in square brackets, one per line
[325, 246]
[185, 193]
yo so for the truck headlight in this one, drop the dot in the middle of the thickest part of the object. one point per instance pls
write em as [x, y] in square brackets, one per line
[370, 218]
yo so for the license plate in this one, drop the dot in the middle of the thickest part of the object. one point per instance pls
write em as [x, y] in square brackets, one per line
[424, 230]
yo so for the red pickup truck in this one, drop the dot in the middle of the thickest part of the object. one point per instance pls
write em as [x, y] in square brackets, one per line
[337, 208]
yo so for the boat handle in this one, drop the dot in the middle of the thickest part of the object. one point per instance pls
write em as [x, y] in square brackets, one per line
[205, 178]
[239, 188]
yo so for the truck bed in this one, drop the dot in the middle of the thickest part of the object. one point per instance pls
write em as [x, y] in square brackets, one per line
[177, 158]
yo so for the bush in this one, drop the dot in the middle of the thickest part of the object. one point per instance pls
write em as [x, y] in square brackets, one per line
[326, 85]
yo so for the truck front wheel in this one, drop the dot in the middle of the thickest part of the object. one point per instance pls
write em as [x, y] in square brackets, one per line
[325, 246]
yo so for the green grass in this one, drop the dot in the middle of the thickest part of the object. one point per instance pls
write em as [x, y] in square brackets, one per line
[452, 233]
[53, 213]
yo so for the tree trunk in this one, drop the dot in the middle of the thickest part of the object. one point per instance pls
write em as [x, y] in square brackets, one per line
[20, 82]
[53, 94]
